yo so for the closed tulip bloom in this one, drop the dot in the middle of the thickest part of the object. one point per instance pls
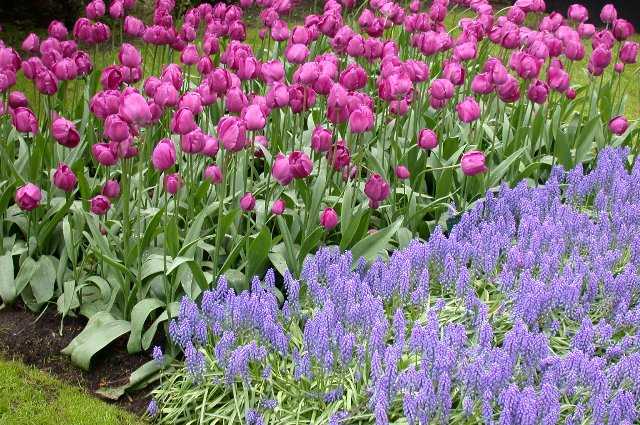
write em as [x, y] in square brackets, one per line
[129, 56]
[281, 170]
[65, 69]
[189, 55]
[618, 125]
[7, 79]
[58, 30]
[586, 31]
[111, 189]
[100, 205]
[441, 88]
[46, 82]
[192, 142]
[64, 179]
[164, 94]
[135, 109]
[376, 189]
[538, 92]
[601, 57]
[354, 77]
[482, 84]
[468, 110]
[339, 155]
[173, 74]
[328, 218]
[455, 73]
[163, 156]
[105, 153]
[558, 79]
[247, 202]
[465, 51]
[629, 52]
[210, 147]
[111, 77]
[361, 119]
[300, 164]
[307, 73]
[24, 120]
[272, 71]
[402, 172]
[472, 163]
[509, 91]
[116, 129]
[213, 174]
[608, 14]
[133, 26]
[65, 133]
[578, 13]
[235, 100]
[622, 29]
[191, 100]
[83, 63]
[28, 197]
[232, 133]
[297, 53]
[321, 139]
[172, 183]
[427, 139]
[301, 98]
[183, 121]
[31, 43]
[278, 207]
[18, 99]
[574, 50]
[253, 117]
[116, 10]
[95, 9]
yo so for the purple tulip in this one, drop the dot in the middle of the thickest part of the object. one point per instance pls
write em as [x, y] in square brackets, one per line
[278, 207]
[472, 163]
[361, 119]
[253, 117]
[618, 125]
[232, 133]
[183, 121]
[24, 120]
[100, 205]
[538, 92]
[163, 156]
[28, 197]
[321, 139]
[402, 172]
[629, 52]
[247, 202]
[213, 174]
[64, 179]
[468, 110]
[427, 139]
[281, 170]
[608, 14]
[192, 142]
[328, 218]
[105, 153]
[300, 164]
[65, 133]
[134, 109]
[111, 189]
[376, 189]
[172, 183]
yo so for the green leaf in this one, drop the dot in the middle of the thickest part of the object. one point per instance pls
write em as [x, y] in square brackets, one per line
[43, 280]
[27, 268]
[139, 315]
[7, 284]
[258, 252]
[52, 222]
[147, 338]
[139, 379]
[310, 242]
[498, 172]
[288, 243]
[101, 330]
[374, 244]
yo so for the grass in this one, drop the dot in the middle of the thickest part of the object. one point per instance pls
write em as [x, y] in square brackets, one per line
[31, 397]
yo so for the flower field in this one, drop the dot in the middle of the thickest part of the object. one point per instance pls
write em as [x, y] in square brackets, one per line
[318, 210]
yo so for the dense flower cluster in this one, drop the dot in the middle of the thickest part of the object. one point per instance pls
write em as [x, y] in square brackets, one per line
[526, 313]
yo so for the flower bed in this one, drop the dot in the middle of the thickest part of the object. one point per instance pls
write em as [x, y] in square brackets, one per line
[527, 312]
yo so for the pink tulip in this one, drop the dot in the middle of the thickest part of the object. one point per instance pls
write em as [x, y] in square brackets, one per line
[601, 57]
[301, 98]
[64, 179]
[28, 197]
[111, 189]
[441, 89]
[232, 133]
[172, 183]
[191, 100]
[192, 142]
[18, 99]
[134, 109]
[629, 52]
[622, 29]
[618, 125]
[278, 95]
[95, 9]
[354, 77]
[183, 121]
[58, 30]
[46, 82]
[361, 119]
[328, 218]
[83, 63]
[253, 117]
[163, 156]
[100, 205]
[272, 71]
[376, 189]
[278, 207]
[578, 13]
[65, 133]
[173, 74]
[235, 100]
[31, 43]
[538, 92]
[297, 53]
[608, 14]
[210, 147]
[321, 139]
[164, 93]
[105, 153]
[189, 55]
[455, 73]
[213, 174]
[468, 110]
[402, 172]
[509, 91]
[129, 56]
[116, 10]
[133, 26]
[281, 170]
[427, 139]
[300, 164]
[247, 202]
[24, 120]
[472, 163]
[116, 128]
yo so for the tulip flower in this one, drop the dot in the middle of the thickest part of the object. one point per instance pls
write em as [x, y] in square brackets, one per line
[328, 218]
[376, 189]
[281, 170]
[339, 155]
[100, 205]
[65, 133]
[164, 93]
[297, 53]
[28, 197]
[134, 109]
[232, 133]
[172, 183]
[472, 163]
[24, 120]
[321, 139]
[64, 179]
[105, 153]
[300, 164]
[468, 110]
[538, 92]
[18, 99]
[354, 77]
[116, 128]
[278, 207]
[133, 26]
[402, 172]
[182, 121]
[129, 56]
[111, 189]
[427, 139]
[618, 125]
[361, 119]
[253, 117]
[578, 13]
[608, 14]
[163, 156]
[192, 142]
[247, 202]
[629, 52]
[481, 84]
[213, 174]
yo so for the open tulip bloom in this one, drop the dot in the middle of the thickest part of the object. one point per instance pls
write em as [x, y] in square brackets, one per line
[151, 157]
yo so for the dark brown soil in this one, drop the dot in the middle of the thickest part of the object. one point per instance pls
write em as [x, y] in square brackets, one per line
[37, 341]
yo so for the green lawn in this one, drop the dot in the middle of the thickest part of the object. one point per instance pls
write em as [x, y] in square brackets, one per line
[31, 397]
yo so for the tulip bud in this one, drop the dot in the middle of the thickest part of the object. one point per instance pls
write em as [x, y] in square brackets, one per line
[427, 139]
[361, 119]
[472, 163]
[232, 133]
[100, 204]
[468, 110]
[172, 183]
[402, 172]
[253, 117]
[247, 202]
[24, 120]
[281, 170]
[28, 197]
[538, 92]
[376, 189]
[618, 125]
[278, 207]
[111, 189]
[328, 218]
[608, 14]
[134, 109]
[116, 128]
[210, 147]
[163, 156]
[183, 121]
[213, 174]
[18, 99]
[321, 139]
[192, 142]
[64, 179]
[129, 56]
[105, 153]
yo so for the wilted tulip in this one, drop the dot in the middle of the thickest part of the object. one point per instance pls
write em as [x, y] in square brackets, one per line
[100, 205]
[472, 163]
[328, 218]
[28, 197]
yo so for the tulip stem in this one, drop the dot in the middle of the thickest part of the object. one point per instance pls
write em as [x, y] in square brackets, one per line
[221, 197]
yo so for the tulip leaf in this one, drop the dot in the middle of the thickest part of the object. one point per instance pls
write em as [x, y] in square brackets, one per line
[7, 282]
[375, 244]
[258, 252]
[139, 315]
[42, 281]
[499, 171]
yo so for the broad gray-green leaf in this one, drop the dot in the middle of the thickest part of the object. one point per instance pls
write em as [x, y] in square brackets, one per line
[139, 315]
[7, 282]
[43, 280]
[374, 244]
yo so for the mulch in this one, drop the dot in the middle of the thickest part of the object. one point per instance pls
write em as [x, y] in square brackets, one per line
[36, 341]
